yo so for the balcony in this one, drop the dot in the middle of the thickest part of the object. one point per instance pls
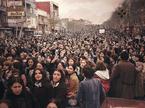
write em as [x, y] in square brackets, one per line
[2, 8]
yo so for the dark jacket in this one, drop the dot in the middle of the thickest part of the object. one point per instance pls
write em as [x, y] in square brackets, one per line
[59, 94]
[2, 89]
[28, 73]
[41, 93]
[24, 100]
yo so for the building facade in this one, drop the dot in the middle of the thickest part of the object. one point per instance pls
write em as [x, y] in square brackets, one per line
[21, 14]
[52, 10]
[42, 21]
[3, 15]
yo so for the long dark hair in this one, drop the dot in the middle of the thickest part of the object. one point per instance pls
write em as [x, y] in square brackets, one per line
[13, 80]
[62, 79]
[44, 79]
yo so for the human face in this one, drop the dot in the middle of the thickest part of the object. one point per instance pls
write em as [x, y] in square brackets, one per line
[70, 69]
[16, 88]
[52, 105]
[38, 75]
[70, 62]
[39, 66]
[5, 67]
[56, 76]
[30, 62]
[22, 55]
[83, 63]
[59, 66]
[10, 58]
[86, 54]
[3, 105]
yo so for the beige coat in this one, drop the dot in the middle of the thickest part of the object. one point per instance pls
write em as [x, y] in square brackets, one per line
[72, 86]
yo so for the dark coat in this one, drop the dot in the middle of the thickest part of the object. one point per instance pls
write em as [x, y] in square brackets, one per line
[123, 80]
[2, 89]
[91, 94]
[28, 73]
[41, 94]
[59, 94]
[24, 100]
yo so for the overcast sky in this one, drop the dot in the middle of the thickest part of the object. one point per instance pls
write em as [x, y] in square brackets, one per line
[97, 11]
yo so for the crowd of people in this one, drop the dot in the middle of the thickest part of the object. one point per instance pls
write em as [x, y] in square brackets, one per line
[70, 69]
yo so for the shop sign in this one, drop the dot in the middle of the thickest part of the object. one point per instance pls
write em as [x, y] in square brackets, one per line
[16, 13]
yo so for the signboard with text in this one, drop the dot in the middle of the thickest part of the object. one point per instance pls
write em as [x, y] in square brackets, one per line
[14, 3]
[16, 21]
[16, 13]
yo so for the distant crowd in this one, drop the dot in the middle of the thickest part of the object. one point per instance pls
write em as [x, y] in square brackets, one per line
[70, 69]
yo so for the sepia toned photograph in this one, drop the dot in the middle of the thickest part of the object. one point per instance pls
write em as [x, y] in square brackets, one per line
[72, 53]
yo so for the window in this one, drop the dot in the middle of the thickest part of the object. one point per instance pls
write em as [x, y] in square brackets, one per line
[3, 3]
[0, 2]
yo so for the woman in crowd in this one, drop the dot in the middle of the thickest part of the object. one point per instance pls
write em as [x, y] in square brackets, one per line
[41, 67]
[58, 88]
[61, 66]
[52, 104]
[139, 79]
[17, 94]
[29, 71]
[102, 74]
[72, 85]
[41, 88]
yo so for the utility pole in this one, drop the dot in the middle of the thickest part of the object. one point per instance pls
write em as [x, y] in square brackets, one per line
[24, 18]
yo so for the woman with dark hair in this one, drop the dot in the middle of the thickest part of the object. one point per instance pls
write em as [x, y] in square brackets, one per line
[7, 66]
[60, 66]
[40, 66]
[18, 96]
[41, 88]
[58, 88]
[72, 83]
[91, 93]
[52, 104]
[29, 71]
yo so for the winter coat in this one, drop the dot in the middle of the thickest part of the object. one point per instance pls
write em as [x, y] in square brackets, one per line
[123, 80]
[91, 94]
[24, 100]
[103, 76]
[58, 93]
[41, 93]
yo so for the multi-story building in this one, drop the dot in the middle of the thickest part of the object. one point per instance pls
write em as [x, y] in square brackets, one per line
[42, 21]
[30, 14]
[21, 14]
[52, 10]
[3, 15]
